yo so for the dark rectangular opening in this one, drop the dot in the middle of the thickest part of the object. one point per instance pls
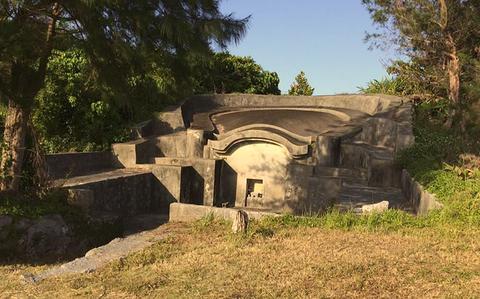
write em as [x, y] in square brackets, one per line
[255, 191]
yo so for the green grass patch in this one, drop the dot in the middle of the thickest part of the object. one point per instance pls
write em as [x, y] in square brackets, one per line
[55, 202]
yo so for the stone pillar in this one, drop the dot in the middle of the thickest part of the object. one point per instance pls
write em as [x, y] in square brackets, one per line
[326, 152]
[195, 143]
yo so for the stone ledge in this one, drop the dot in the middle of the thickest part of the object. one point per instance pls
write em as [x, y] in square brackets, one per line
[180, 212]
[422, 200]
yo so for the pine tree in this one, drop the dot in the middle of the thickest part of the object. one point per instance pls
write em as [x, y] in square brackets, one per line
[301, 87]
[119, 37]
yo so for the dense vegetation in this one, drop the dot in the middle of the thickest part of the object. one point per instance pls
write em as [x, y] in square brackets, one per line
[226, 73]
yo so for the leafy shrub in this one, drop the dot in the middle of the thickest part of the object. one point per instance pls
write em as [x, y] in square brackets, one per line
[73, 112]
[76, 112]
[390, 86]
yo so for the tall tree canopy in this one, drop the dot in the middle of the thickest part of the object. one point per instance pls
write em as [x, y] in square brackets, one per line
[227, 73]
[441, 40]
[301, 87]
[120, 38]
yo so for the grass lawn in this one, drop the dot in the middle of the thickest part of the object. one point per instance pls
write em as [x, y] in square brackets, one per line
[279, 261]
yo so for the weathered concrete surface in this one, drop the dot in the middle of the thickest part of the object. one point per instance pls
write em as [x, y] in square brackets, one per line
[304, 122]
[171, 145]
[101, 256]
[168, 121]
[180, 212]
[123, 191]
[369, 104]
[64, 165]
[129, 154]
[355, 196]
[258, 161]
[422, 200]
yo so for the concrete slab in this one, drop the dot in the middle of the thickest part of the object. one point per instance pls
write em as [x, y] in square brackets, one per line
[180, 212]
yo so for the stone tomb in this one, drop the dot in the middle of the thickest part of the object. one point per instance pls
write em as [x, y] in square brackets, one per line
[268, 153]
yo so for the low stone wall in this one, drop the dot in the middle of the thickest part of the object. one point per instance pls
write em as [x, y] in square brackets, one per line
[422, 200]
[180, 212]
[123, 192]
[51, 237]
[65, 165]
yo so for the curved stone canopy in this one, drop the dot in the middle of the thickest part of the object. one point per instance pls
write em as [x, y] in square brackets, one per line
[297, 122]
[293, 128]
[300, 122]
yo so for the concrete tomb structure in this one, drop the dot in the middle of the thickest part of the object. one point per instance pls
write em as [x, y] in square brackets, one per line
[267, 153]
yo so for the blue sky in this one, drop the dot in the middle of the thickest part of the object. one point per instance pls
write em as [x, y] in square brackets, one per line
[324, 38]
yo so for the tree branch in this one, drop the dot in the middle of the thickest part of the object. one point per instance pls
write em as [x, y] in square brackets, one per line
[42, 68]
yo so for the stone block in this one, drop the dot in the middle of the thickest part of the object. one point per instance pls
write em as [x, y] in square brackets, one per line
[383, 173]
[130, 154]
[422, 200]
[172, 145]
[81, 198]
[63, 165]
[327, 151]
[405, 137]
[380, 132]
[180, 212]
[168, 121]
[375, 208]
[195, 143]
[168, 184]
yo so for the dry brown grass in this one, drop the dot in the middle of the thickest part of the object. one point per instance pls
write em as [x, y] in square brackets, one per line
[304, 262]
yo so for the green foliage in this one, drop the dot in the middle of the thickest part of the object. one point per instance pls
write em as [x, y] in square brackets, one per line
[390, 86]
[52, 203]
[301, 87]
[390, 220]
[75, 112]
[227, 73]
[121, 38]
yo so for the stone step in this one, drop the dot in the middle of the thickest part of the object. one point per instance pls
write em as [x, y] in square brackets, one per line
[341, 172]
[168, 161]
[347, 181]
[354, 196]
[100, 177]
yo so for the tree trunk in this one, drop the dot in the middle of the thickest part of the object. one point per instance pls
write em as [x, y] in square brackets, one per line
[13, 151]
[453, 69]
[454, 79]
[16, 123]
